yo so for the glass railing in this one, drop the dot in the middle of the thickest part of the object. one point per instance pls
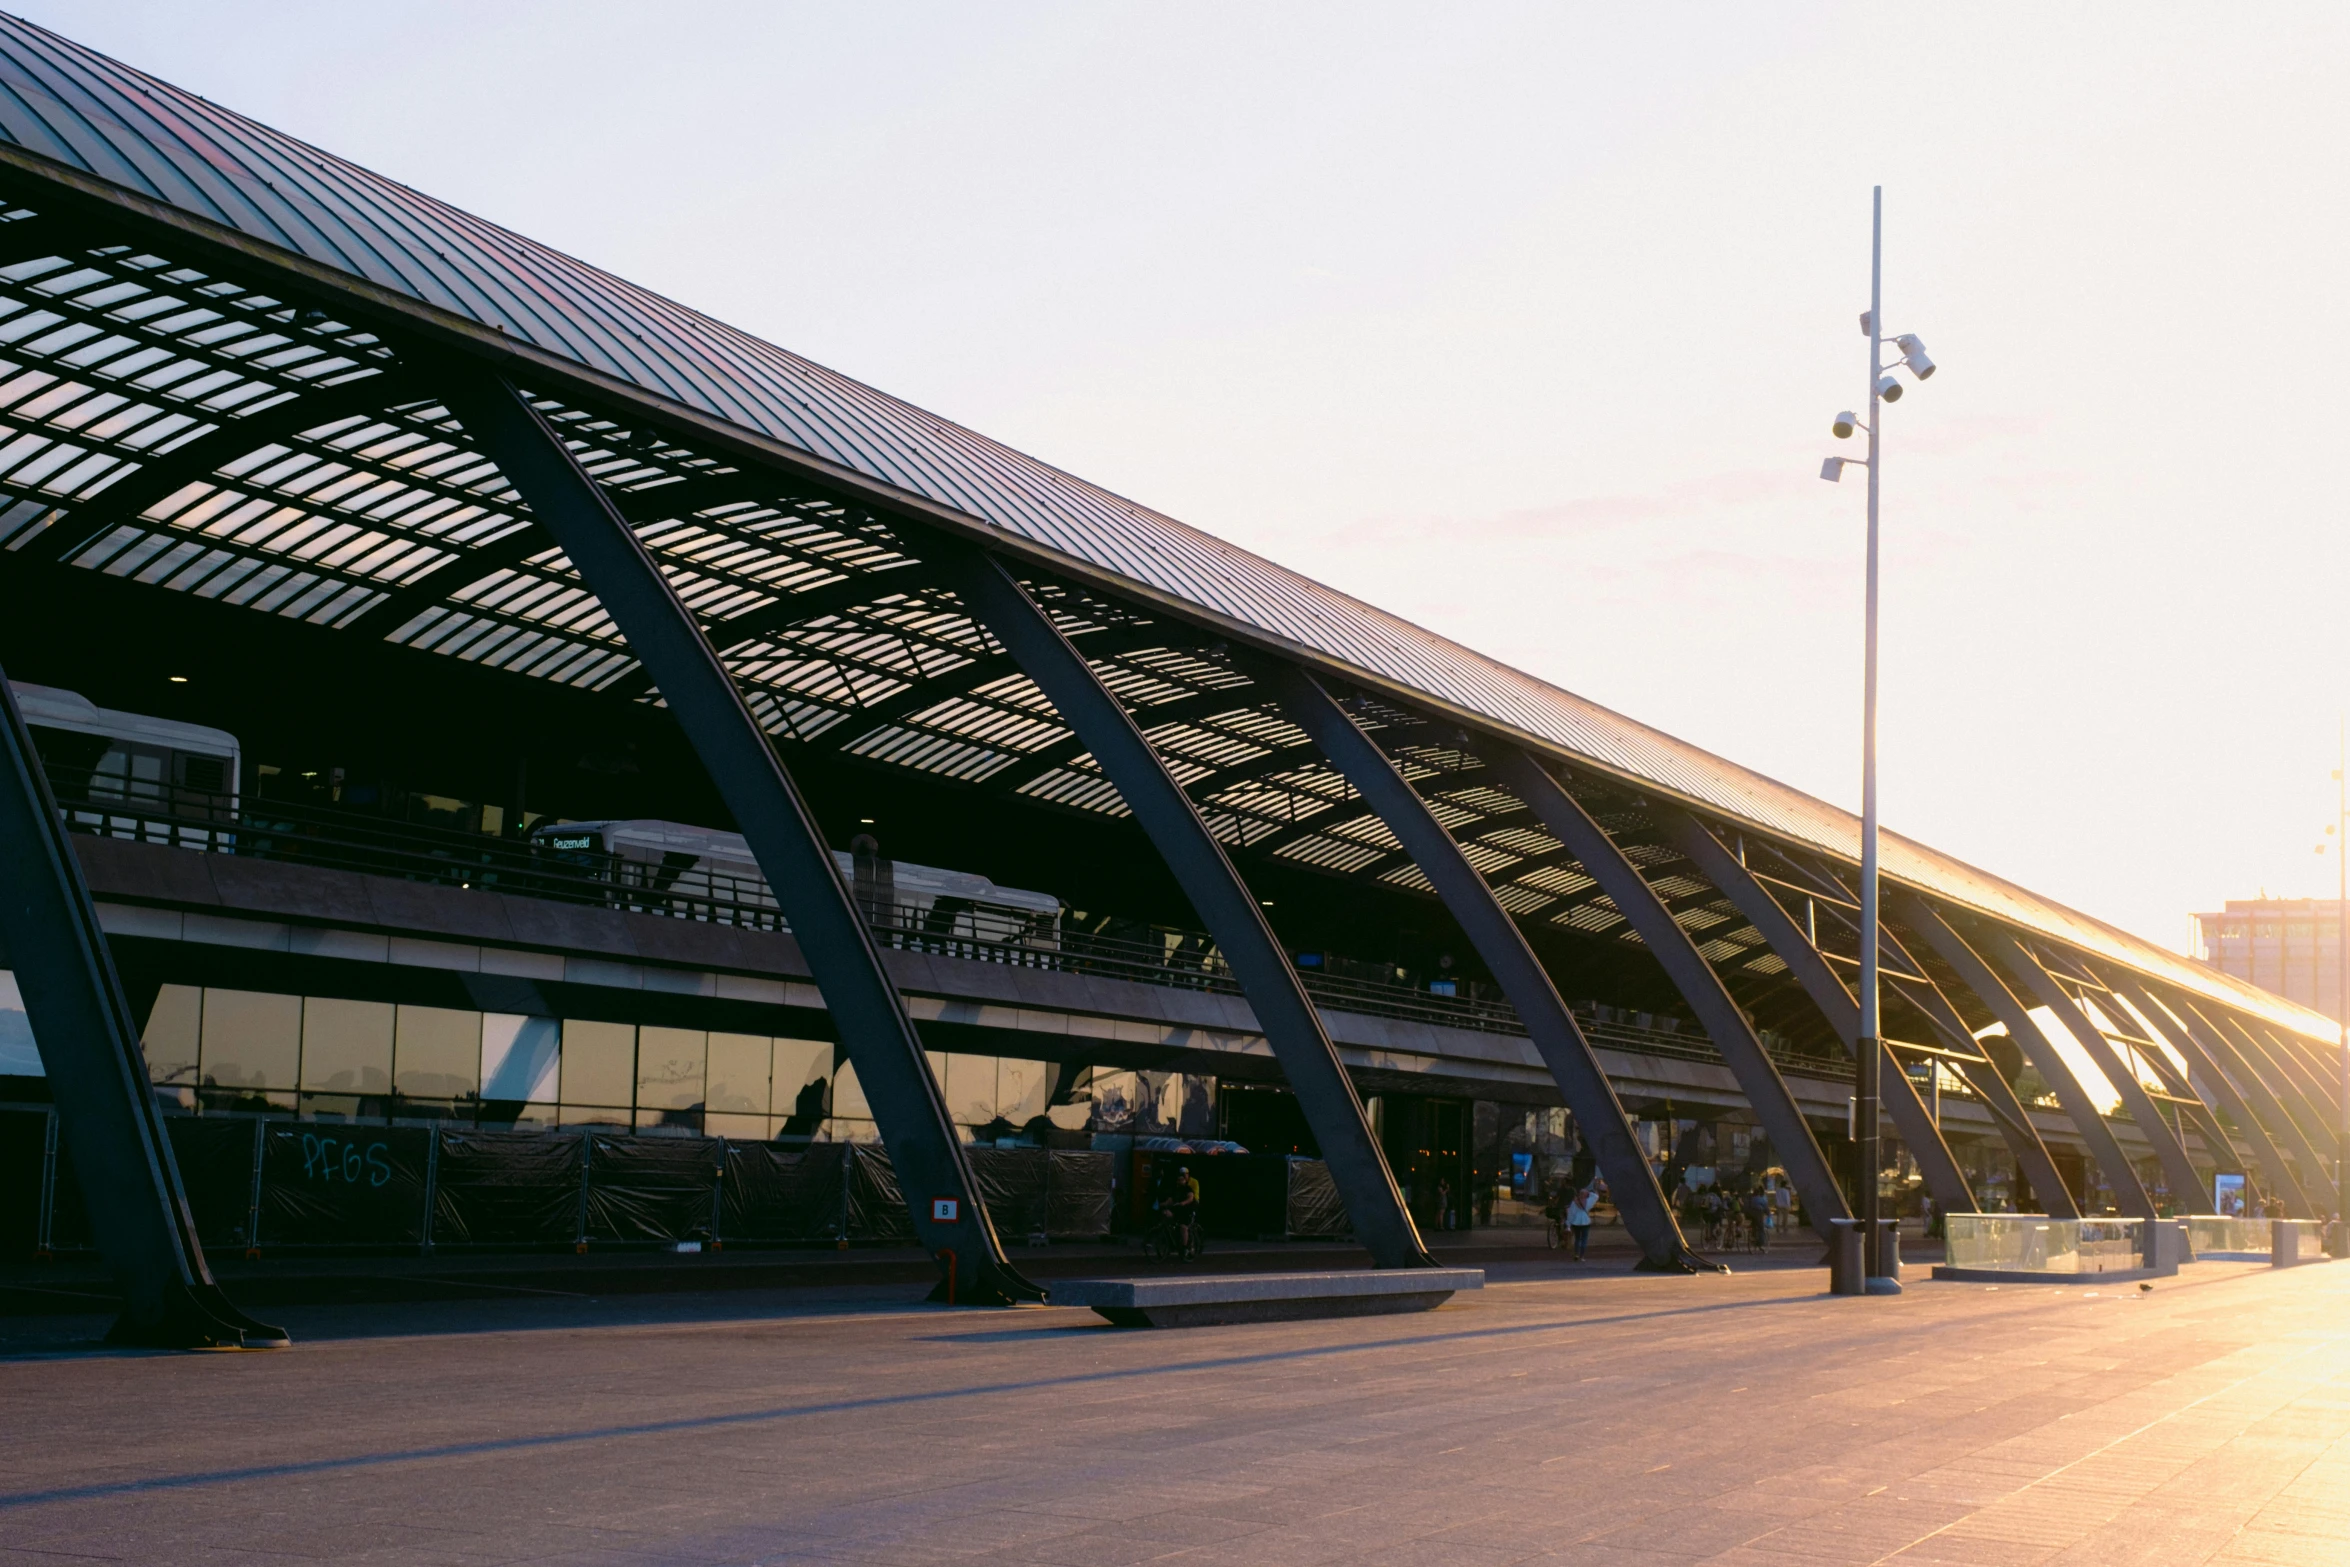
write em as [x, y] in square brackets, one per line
[2210, 1232]
[2212, 1235]
[2031, 1243]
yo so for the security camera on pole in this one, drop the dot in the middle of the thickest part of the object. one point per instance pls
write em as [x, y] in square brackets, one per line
[1884, 387]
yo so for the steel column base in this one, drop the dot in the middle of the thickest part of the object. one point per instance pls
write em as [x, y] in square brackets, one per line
[196, 1317]
[993, 1287]
[1683, 1260]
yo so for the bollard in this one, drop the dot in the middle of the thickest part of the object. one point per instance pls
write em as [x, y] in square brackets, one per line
[2167, 1246]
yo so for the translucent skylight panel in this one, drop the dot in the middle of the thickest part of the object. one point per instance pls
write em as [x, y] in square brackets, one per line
[1330, 854]
[1077, 791]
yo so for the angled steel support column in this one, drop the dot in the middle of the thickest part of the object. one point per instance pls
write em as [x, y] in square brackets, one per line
[950, 1220]
[1992, 991]
[2251, 1078]
[2194, 1103]
[1292, 1026]
[2178, 1171]
[1758, 1076]
[2269, 1094]
[2194, 1106]
[2212, 1079]
[88, 1038]
[1803, 956]
[1632, 1184]
[1828, 993]
[2314, 1077]
[1998, 1095]
[2313, 1095]
[2304, 1126]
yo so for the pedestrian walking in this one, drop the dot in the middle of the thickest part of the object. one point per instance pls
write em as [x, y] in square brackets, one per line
[1444, 1203]
[1579, 1220]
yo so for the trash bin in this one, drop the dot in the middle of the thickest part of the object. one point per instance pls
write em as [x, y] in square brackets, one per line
[2284, 1243]
[1845, 1276]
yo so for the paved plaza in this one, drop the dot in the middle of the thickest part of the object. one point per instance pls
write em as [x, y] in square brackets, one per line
[1600, 1417]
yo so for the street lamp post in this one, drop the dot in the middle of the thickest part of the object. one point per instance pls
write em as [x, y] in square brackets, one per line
[1868, 1091]
[2338, 1237]
[2338, 1232]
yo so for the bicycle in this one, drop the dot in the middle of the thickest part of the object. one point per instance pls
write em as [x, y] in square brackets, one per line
[1172, 1240]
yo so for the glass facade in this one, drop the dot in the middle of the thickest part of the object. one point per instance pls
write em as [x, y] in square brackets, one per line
[439, 1052]
[321, 1056]
[346, 1046]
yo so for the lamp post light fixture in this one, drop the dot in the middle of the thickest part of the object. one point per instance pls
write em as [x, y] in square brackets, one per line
[2338, 1233]
[1884, 387]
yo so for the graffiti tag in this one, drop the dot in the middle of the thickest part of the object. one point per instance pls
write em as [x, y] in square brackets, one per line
[342, 1159]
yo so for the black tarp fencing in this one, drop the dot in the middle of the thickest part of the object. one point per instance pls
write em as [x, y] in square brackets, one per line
[24, 1136]
[1079, 1198]
[506, 1189]
[783, 1194]
[1315, 1209]
[69, 1218]
[876, 1209]
[333, 1184]
[268, 1183]
[1016, 1185]
[215, 1159]
[653, 1188]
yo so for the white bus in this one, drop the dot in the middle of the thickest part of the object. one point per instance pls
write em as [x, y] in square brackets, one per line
[703, 873]
[150, 767]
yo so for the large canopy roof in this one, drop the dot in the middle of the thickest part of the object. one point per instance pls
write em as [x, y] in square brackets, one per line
[337, 491]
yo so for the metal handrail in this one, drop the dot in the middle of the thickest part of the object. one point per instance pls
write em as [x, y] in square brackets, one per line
[344, 839]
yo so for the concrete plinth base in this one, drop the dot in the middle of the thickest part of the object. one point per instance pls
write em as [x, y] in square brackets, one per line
[1201, 1301]
[2031, 1276]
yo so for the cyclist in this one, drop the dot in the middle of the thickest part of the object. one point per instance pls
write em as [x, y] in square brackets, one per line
[1183, 1210]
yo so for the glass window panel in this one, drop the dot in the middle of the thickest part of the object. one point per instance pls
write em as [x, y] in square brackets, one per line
[19, 1056]
[175, 1029]
[669, 1068]
[520, 1057]
[436, 1053]
[802, 1079]
[851, 1131]
[599, 1064]
[739, 1066]
[252, 1039]
[346, 1046]
[750, 1128]
[970, 1089]
[848, 1096]
[1021, 1088]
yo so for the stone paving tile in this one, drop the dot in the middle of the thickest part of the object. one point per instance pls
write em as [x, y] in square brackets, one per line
[1602, 1418]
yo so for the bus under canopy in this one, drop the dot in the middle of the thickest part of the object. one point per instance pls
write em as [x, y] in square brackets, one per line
[682, 863]
[100, 753]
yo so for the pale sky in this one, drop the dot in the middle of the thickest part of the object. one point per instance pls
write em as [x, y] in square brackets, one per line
[1527, 323]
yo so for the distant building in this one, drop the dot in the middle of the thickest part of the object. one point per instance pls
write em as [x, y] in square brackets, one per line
[2292, 946]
